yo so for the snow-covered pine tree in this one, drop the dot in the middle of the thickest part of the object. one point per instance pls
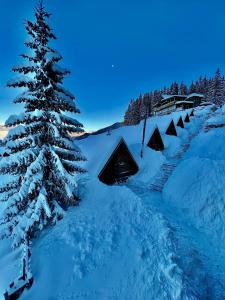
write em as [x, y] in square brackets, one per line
[137, 110]
[192, 88]
[174, 89]
[128, 117]
[146, 106]
[217, 89]
[183, 89]
[42, 164]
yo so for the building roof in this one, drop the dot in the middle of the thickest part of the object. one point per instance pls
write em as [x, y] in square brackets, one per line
[195, 95]
[206, 103]
[166, 97]
[184, 101]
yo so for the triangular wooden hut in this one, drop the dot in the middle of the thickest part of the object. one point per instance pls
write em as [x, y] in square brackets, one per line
[120, 165]
[171, 130]
[187, 119]
[155, 142]
[192, 113]
[180, 123]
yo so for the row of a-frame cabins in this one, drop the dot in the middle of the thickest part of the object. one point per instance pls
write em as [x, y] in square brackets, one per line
[121, 164]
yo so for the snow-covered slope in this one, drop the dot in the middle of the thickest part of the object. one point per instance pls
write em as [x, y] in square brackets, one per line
[197, 191]
[128, 242]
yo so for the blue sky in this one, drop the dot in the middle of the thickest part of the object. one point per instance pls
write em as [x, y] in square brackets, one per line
[150, 43]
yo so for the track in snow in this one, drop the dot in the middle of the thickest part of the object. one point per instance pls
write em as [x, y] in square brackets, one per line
[168, 167]
[186, 233]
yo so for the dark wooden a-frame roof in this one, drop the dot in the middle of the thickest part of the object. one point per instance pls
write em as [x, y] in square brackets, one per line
[120, 165]
[171, 130]
[180, 123]
[187, 119]
[155, 142]
[192, 113]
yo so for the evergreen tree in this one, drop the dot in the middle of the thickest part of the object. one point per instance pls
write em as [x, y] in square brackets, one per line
[183, 89]
[128, 117]
[217, 89]
[42, 164]
[137, 109]
[133, 115]
[157, 96]
[174, 89]
[192, 88]
[145, 106]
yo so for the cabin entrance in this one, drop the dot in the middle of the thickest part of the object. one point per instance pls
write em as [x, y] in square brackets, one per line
[180, 123]
[155, 141]
[171, 130]
[187, 119]
[120, 165]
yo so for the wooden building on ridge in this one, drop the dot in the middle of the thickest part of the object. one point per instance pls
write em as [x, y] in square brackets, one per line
[171, 103]
[195, 98]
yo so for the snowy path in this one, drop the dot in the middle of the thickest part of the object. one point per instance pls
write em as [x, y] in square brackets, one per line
[169, 166]
[189, 236]
[186, 234]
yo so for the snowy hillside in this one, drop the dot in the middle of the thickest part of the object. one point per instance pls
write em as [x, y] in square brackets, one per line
[159, 236]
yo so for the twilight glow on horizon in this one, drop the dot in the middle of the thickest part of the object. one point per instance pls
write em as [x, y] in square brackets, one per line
[118, 49]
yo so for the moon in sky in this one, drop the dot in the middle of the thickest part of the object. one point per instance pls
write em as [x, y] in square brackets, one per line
[113, 66]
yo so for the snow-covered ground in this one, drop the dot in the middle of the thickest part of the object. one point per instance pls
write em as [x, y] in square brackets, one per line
[129, 242]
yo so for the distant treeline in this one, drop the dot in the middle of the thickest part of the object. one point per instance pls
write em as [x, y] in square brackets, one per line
[212, 88]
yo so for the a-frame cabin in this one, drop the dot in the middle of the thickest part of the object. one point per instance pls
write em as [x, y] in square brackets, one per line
[180, 123]
[171, 130]
[155, 142]
[192, 113]
[187, 119]
[120, 165]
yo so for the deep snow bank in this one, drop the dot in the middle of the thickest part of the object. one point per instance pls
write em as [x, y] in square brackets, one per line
[111, 247]
[196, 190]
[197, 185]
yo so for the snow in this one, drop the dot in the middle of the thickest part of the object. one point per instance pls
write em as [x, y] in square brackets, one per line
[58, 69]
[51, 55]
[166, 97]
[196, 189]
[98, 148]
[21, 78]
[127, 242]
[205, 103]
[184, 102]
[216, 121]
[223, 109]
[195, 95]
[84, 256]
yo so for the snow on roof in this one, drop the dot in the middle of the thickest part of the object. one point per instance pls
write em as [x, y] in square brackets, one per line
[206, 103]
[195, 95]
[166, 97]
[184, 101]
